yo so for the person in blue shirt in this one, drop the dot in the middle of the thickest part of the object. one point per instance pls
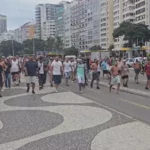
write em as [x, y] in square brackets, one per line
[105, 69]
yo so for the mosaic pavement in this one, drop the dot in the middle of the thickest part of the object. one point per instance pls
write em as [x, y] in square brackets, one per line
[65, 121]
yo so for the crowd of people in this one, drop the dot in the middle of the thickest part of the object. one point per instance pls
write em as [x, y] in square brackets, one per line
[83, 70]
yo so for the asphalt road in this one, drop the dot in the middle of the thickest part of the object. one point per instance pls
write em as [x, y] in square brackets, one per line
[134, 106]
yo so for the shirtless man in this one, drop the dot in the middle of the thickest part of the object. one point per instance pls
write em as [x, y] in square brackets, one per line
[115, 77]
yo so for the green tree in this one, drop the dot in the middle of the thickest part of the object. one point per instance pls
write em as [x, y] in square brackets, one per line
[95, 48]
[28, 45]
[7, 47]
[71, 51]
[111, 47]
[133, 33]
[50, 44]
[58, 44]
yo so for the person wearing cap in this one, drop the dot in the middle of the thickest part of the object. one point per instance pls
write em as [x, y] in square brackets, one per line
[115, 77]
[125, 74]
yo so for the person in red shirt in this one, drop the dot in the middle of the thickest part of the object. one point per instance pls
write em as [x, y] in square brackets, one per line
[147, 70]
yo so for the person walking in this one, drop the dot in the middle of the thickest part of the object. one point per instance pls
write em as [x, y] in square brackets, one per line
[137, 69]
[57, 72]
[41, 73]
[15, 71]
[115, 77]
[1, 78]
[7, 73]
[50, 72]
[31, 68]
[66, 69]
[80, 69]
[147, 70]
[94, 68]
[125, 74]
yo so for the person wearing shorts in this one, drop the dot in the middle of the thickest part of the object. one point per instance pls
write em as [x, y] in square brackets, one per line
[137, 69]
[147, 70]
[31, 68]
[15, 70]
[94, 68]
[125, 74]
[115, 77]
[80, 75]
[57, 72]
[66, 68]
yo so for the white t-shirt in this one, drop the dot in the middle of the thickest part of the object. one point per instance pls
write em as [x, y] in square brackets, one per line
[73, 65]
[56, 67]
[41, 66]
[15, 66]
[66, 66]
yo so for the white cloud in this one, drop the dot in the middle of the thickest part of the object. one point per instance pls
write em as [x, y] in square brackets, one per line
[20, 11]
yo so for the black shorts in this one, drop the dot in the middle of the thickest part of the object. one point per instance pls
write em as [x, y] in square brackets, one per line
[106, 72]
[148, 77]
[125, 77]
[95, 76]
[119, 72]
[14, 73]
[57, 79]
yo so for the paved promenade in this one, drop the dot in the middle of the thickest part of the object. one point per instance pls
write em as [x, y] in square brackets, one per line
[68, 121]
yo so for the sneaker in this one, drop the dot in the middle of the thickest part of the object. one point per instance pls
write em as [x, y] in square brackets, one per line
[98, 87]
[0, 95]
[146, 88]
[33, 92]
[80, 92]
[28, 90]
[56, 91]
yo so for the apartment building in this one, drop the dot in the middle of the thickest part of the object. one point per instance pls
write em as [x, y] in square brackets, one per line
[103, 24]
[45, 20]
[67, 24]
[123, 11]
[142, 11]
[110, 23]
[27, 31]
[85, 23]
[3, 23]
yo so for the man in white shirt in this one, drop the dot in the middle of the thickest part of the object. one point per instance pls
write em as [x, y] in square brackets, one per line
[57, 71]
[66, 68]
[15, 70]
[41, 73]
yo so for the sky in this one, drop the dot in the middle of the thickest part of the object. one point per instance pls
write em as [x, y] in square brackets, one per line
[19, 12]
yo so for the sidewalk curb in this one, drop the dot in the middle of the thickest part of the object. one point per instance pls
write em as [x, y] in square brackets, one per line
[128, 90]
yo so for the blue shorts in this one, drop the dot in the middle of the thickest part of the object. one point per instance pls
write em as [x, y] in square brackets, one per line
[67, 75]
[57, 79]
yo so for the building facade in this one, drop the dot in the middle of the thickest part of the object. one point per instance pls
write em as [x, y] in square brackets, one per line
[44, 19]
[3, 23]
[123, 11]
[27, 31]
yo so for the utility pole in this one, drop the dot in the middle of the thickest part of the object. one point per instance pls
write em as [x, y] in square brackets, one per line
[13, 53]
